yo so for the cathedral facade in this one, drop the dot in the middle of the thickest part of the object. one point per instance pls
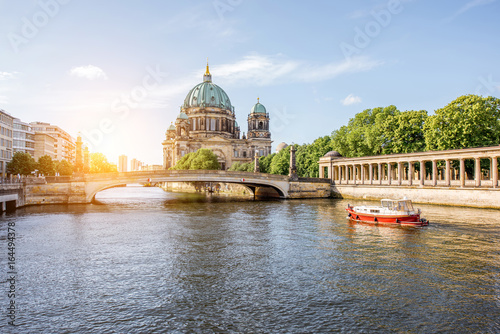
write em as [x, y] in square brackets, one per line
[208, 120]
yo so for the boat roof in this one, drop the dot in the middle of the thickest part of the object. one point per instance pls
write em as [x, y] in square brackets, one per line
[396, 200]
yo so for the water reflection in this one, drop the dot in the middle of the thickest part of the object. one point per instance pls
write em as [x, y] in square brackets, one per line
[143, 260]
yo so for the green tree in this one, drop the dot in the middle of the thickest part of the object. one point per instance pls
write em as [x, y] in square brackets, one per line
[201, 159]
[21, 163]
[265, 163]
[468, 121]
[99, 164]
[365, 134]
[307, 156]
[242, 167]
[280, 162]
[404, 132]
[64, 167]
[46, 165]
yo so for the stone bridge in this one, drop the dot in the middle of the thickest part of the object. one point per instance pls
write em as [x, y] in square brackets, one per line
[82, 189]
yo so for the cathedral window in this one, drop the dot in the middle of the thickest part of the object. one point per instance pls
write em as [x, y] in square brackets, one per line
[261, 125]
[244, 154]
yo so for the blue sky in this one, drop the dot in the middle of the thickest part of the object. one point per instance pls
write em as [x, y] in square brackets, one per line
[118, 71]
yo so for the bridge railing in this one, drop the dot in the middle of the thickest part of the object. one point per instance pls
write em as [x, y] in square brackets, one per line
[164, 173]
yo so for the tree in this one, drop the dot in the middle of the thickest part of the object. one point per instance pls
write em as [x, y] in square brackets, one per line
[404, 132]
[265, 163]
[280, 163]
[46, 166]
[64, 167]
[21, 163]
[308, 155]
[242, 167]
[203, 158]
[99, 164]
[365, 134]
[468, 121]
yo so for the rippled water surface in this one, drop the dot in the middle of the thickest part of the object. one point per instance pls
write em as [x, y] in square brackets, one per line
[147, 261]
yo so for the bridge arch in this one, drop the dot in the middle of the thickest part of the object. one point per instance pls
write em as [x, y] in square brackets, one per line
[97, 183]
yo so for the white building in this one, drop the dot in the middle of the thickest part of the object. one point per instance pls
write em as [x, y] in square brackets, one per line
[23, 138]
[6, 137]
[64, 147]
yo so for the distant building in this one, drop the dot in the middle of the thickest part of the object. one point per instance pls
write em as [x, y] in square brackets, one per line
[6, 138]
[281, 146]
[152, 167]
[23, 138]
[79, 155]
[135, 165]
[64, 147]
[44, 145]
[208, 120]
[122, 163]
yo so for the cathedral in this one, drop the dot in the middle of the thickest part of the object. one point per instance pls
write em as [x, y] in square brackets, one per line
[208, 120]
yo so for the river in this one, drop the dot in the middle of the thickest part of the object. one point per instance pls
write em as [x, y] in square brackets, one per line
[142, 260]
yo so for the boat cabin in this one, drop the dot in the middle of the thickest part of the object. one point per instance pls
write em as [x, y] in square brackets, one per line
[398, 205]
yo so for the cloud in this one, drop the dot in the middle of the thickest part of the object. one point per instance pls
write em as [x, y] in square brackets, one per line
[6, 75]
[351, 99]
[266, 70]
[90, 72]
[468, 6]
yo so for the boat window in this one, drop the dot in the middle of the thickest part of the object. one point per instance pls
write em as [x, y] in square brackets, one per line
[374, 211]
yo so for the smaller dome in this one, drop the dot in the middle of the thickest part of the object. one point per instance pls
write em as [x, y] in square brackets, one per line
[171, 127]
[236, 124]
[182, 116]
[281, 146]
[258, 108]
[333, 154]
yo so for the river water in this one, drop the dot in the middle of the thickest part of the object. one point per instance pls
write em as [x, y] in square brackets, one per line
[146, 261]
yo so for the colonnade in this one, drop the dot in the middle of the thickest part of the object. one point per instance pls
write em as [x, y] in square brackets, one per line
[477, 167]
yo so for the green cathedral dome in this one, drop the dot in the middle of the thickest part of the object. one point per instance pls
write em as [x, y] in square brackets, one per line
[207, 94]
[258, 108]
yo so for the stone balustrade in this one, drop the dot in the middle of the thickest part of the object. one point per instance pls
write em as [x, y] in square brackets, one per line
[430, 169]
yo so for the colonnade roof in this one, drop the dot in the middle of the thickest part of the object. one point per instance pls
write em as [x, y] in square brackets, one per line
[466, 153]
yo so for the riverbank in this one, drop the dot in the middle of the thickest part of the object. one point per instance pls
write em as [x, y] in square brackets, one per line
[485, 198]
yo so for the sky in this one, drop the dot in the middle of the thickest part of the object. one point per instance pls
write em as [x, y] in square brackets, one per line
[117, 71]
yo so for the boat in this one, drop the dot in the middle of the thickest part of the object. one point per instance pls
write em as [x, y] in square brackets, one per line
[391, 212]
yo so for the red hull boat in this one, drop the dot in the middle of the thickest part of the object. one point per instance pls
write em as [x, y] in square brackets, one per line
[391, 212]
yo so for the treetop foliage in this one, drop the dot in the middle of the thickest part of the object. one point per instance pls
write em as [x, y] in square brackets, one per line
[203, 158]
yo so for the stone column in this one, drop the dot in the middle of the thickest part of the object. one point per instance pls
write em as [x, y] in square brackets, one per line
[410, 173]
[293, 168]
[389, 173]
[333, 170]
[340, 174]
[370, 173]
[447, 175]
[494, 172]
[379, 173]
[256, 168]
[400, 173]
[462, 172]
[354, 174]
[434, 173]
[362, 167]
[477, 174]
[422, 173]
